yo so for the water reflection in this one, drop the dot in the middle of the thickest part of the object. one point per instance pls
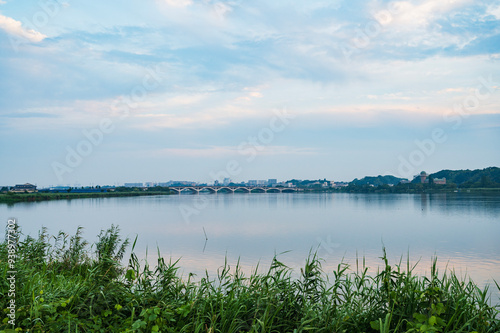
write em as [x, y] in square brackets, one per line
[457, 203]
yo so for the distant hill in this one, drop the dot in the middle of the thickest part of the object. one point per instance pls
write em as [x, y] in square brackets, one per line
[489, 177]
[379, 180]
[479, 177]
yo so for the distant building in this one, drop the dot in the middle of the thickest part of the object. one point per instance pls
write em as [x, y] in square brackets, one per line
[272, 182]
[226, 181]
[108, 188]
[29, 188]
[423, 177]
[440, 181]
[59, 188]
[179, 183]
[133, 184]
[252, 182]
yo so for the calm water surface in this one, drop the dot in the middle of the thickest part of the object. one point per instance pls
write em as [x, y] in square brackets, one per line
[462, 230]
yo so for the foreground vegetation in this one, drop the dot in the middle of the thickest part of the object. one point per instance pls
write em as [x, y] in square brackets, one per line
[63, 285]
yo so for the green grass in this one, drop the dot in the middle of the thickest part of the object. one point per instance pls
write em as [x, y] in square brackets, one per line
[65, 285]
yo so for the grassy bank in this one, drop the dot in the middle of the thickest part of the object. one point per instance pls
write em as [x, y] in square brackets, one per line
[11, 198]
[65, 285]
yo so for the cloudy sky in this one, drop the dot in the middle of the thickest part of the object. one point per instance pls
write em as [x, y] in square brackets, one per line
[106, 92]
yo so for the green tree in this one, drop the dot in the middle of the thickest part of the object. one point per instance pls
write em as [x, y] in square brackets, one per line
[485, 181]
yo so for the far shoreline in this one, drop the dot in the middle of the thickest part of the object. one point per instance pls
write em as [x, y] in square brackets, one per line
[7, 198]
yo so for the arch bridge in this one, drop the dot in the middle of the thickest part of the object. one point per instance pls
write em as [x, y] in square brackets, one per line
[232, 189]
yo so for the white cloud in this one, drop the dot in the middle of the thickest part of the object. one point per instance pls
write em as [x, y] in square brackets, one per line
[183, 100]
[408, 14]
[220, 151]
[249, 96]
[416, 23]
[220, 10]
[390, 96]
[179, 3]
[495, 11]
[154, 121]
[197, 152]
[14, 27]
[454, 91]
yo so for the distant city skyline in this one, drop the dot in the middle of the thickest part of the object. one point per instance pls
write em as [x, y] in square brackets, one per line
[269, 181]
[223, 182]
[106, 93]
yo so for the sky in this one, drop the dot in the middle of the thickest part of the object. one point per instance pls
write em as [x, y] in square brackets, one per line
[107, 92]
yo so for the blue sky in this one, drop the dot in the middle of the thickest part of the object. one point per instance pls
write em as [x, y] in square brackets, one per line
[124, 91]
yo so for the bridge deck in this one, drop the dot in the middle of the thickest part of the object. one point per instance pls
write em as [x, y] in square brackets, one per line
[233, 189]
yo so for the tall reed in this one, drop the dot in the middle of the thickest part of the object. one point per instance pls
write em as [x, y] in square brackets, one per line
[65, 285]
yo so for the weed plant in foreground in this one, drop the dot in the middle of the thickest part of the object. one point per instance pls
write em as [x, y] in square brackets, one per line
[65, 285]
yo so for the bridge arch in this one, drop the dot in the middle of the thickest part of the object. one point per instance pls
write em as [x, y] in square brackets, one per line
[241, 189]
[258, 190]
[225, 190]
[207, 189]
[191, 189]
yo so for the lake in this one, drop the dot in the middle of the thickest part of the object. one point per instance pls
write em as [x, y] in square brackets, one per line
[461, 229]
